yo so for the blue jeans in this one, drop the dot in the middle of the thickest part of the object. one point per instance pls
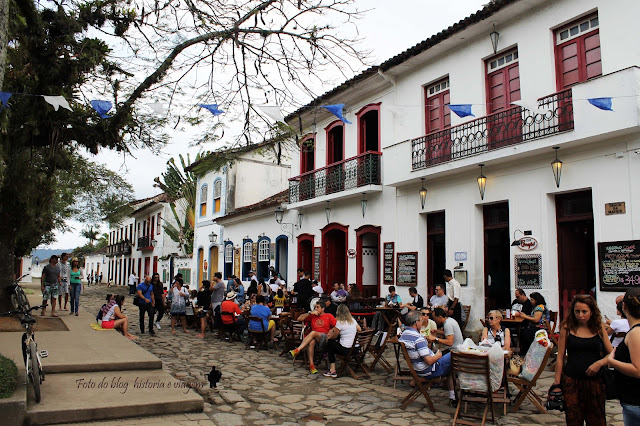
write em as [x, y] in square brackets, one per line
[443, 366]
[630, 414]
[75, 296]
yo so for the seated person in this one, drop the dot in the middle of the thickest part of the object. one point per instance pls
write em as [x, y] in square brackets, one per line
[416, 300]
[521, 303]
[494, 332]
[321, 322]
[264, 313]
[114, 318]
[317, 287]
[329, 306]
[450, 335]
[425, 362]
[427, 323]
[535, 321]
[204, 302]
[617, 326]
[278, 300]
[393, 300]
[230, 306]
[439, 299]
[338, 295]
[345, 331]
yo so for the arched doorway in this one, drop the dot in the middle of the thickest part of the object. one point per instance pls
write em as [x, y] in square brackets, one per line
[282, 255]
[368, 260]
[333, 257]
[305, 252]
[213, 260]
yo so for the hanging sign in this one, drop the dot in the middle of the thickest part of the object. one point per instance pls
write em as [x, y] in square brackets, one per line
[407, 268]
[527, 243]
[388, 263]
[619, 264]
[316, 262]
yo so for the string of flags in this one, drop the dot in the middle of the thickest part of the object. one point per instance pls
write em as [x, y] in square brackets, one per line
[274, 112]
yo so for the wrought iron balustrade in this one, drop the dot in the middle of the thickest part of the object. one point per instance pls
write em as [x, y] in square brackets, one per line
[498, 130]
[351, 173]
[144, 243]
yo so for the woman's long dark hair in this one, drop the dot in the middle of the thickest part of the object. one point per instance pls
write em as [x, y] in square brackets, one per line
[632, 302]
[538, 298]
[595, 322]
[119, 300]
[253, 288]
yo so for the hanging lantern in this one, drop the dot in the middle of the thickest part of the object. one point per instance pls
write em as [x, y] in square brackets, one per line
[494, 36]
[423, 194]
[556, 166]
[482, 182]
[363, 204]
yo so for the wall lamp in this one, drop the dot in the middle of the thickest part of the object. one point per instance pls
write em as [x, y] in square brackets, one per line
[482, 182]
[556, 166]
[423, 194]
[279, 215]
[494, 36]
[516, 242]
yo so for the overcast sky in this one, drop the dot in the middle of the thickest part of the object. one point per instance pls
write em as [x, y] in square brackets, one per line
[389, 28]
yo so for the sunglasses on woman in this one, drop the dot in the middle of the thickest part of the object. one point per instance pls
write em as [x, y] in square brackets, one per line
[491, 318]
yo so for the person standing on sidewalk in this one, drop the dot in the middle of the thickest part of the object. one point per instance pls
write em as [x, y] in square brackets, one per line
[64, 281]
[147, 303]
[75, 280]
[133, 282]
[217, 296]
[50, 284]
[453, 293]
[179, 305]
[159, 297]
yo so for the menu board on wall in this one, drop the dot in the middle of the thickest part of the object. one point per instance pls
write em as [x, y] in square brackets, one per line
[407, 268]
[388, 262]
[528, 270]
[619, 265]
[316, 263]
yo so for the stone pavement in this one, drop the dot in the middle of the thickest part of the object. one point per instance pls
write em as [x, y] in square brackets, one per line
[262, 388]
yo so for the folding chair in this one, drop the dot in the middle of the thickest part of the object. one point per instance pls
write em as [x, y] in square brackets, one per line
[377, 350]
[526, 387]
[260, 337]
[356, 355]
[292, 335]
[478, 366]
[229, 331]
[423, 384]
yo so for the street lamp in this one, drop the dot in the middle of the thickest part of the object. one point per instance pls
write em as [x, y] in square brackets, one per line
[154, 243]
[556, 166]
[213, 237]
[423, 194]
[482, 182]
[279, 214]
[327, 212]
[363, 204]
[494, 36]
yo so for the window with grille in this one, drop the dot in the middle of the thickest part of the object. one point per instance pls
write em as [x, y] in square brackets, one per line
[203, 200]
[246, 255]
[228, 253]
[217, 191]
[263, 251]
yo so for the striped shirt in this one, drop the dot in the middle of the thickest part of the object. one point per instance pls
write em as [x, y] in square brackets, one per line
[417, 348]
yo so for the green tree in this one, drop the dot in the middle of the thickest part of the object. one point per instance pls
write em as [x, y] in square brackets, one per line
[249, 49]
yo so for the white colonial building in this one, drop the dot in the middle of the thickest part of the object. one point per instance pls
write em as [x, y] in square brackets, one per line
[410, 189]
[255, 175]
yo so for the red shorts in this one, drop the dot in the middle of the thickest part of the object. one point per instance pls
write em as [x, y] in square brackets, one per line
[108, 324]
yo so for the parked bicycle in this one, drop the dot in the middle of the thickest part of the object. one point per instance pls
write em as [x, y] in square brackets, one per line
[32, 358]
[18, 298]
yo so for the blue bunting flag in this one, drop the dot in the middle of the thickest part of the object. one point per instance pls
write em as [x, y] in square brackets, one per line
[102, 107]
[4, 97]
[462, 110]
[602, 103]
[337, 111]
[213, 108]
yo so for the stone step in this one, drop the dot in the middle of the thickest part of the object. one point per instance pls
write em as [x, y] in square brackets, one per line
[95, 396]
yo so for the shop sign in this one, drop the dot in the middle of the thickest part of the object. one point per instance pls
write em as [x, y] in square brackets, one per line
[351, 253]
[615, 208]
[528, 243]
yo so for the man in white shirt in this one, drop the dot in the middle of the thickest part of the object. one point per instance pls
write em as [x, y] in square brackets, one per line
[65, 275]
[317, 287]
[453, 293]
[133, 283]
[439, 299]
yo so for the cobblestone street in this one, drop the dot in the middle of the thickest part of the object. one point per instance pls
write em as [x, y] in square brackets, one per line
[263, 388]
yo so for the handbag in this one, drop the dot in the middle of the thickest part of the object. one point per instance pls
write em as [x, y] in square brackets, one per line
[136, 298]
[608, 377]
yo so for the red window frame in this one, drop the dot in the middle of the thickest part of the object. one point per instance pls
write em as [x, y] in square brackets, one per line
[581, 56]
[329, 138]
[362, 143]
[444, 115]
[439, 149]
[304, 166]
[504, 128]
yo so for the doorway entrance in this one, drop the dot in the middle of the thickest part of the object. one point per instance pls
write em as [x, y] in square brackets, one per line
[282, 256]
[334, 255]
[213, 261]
[436, 257]
[305, 253]
[368, 260]
[576, 247]
[200, 265]
[497, 255]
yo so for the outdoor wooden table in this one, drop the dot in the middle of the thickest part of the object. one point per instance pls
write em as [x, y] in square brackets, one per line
[395, 312]
[516, 322]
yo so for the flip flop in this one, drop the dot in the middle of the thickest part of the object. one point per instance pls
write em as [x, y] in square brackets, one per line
[54, 315]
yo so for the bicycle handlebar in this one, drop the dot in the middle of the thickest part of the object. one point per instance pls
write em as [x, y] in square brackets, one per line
[28, 311]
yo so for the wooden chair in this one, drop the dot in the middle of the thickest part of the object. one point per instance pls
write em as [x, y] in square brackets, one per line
[229, 331]
[400, 374]
[477, 365]
[550, 327]
[526, 387]
[423, 384]
[483, 322]
[467, 311]
[377, 350]
[260, 337]
[292, 335]
[356, 355]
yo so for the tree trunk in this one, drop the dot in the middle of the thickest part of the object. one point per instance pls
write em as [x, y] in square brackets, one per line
[7, 263]
[4, 30]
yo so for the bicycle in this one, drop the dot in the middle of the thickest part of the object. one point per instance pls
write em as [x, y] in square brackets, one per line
[30, 354]
[18, 298]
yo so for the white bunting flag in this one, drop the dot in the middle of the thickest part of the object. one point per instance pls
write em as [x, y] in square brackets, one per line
[57, 102]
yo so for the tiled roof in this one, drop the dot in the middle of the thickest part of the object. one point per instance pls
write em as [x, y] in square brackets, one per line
[229, 150]
[269, 202]
[492, 7]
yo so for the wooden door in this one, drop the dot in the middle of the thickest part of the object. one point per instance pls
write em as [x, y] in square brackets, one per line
[504, 121]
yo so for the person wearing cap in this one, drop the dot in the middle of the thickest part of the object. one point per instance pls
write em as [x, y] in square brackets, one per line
[75, 280]
[230, 306]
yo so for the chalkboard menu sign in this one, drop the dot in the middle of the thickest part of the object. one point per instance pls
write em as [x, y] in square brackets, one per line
[388, 262]
[619, 264]
[528, 270]
[407, 268]
[316, 263]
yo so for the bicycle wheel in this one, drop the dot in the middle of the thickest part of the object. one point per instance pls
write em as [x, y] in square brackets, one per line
[34, 369]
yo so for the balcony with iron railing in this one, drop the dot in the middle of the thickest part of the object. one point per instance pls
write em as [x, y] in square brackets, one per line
[498, 130]
[146, 243]
[340, 178]
[120, 248]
